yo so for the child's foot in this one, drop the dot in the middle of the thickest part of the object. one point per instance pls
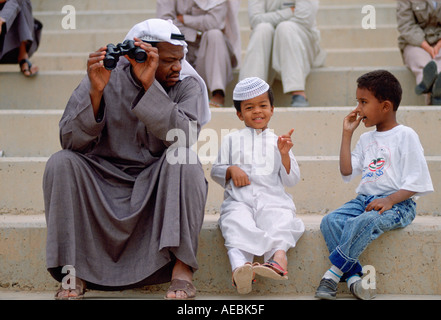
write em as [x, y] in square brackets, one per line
[327, 289]
[361, 293]
[243, 278]
[271, 269]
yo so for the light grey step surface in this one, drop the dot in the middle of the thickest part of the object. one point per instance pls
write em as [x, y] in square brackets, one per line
[406, 261]
[321, 188]
[27, 133]
[333, 86]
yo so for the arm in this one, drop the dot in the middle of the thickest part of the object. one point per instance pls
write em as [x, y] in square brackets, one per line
[384, 204]
[284, 143]
[257, 14]
[350, 123]
[223, 170]
[408, 27]
[212, 19]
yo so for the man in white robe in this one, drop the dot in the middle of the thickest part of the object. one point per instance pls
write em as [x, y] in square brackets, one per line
[284, 44]
[211, 30]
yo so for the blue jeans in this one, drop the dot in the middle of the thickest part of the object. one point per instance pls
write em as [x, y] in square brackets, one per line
[349, 229]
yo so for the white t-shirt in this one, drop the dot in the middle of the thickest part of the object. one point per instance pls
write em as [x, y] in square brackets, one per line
[389, 161]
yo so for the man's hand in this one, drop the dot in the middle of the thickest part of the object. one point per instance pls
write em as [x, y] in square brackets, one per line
[98, 77]
[145, 72]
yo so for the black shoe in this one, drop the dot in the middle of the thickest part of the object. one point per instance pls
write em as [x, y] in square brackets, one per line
[430, 73]
[327, 289]
[436, 92]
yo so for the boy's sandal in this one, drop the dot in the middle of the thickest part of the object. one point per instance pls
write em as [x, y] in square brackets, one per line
[271, 269]
[80, 289]
[243, 278]
[181, 285]
[28, 69]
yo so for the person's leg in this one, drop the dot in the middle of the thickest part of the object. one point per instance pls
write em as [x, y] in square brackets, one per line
[258, 56]
[26, 67]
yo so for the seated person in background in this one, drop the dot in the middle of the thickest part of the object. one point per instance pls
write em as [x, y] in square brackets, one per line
[284, 43]
[20, 35]
[211, 30]
[419, 25]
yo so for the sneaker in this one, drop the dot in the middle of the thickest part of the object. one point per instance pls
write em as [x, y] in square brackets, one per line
[299, 101]
[327, 289]
[430, 72]
[436, 92]
[361, 293]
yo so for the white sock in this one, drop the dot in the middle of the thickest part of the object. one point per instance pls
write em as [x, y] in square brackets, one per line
[352, 279]
[333, 273]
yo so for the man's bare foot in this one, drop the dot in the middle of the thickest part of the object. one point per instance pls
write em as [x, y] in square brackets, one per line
[181, 271]
[72, 294]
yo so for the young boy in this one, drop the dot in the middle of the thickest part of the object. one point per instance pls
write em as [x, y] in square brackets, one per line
[393, 171]
[257, 215]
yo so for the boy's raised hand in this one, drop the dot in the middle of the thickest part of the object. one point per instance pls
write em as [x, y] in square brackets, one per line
[351, 121]
[284, 142]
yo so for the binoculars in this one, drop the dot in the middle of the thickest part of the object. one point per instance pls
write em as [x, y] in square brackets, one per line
[126, 48]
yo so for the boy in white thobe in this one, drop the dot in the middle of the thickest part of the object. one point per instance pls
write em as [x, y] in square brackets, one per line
[257, 215]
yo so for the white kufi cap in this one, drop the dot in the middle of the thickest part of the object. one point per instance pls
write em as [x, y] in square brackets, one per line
[250, 88]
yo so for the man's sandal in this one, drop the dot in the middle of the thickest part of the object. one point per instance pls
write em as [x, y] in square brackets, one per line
[271, 269]
[181, 285]
[28, 69]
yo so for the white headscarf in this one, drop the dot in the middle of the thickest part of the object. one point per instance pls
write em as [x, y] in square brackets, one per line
[159, 30]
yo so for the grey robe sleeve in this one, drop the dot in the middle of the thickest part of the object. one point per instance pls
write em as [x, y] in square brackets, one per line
[165, 118]
[10, 12]
[79, 130]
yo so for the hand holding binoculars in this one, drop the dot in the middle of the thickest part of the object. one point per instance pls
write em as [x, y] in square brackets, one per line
[121, 49]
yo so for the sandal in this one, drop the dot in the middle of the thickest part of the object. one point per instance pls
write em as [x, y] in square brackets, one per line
[271, 269]
[181, 285]
[28, 69]
[215, 104]
[243, 278]
[80, 289]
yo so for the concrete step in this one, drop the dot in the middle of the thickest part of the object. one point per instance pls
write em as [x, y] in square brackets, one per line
[406, 261]
[35, 133]
[376, 57]
[332, 86]
[83, 5]
[320, 190]
[112, 15]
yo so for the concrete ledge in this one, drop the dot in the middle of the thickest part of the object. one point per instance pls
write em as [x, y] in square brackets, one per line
[320, 190]
[27, 133]
[406, 261]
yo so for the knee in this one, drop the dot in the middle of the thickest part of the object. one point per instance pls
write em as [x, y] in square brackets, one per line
[287, 30]
[59, 160]
[214, 35]
[264, 29]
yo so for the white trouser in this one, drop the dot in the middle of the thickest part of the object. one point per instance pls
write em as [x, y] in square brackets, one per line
[239, 257]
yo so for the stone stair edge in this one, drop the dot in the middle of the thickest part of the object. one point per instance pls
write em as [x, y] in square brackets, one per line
[311, 220]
